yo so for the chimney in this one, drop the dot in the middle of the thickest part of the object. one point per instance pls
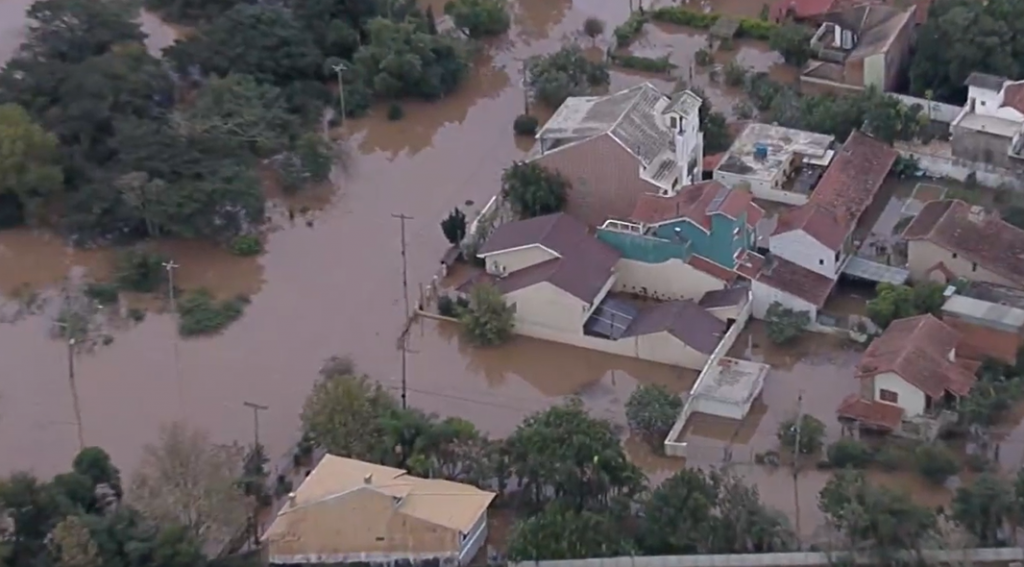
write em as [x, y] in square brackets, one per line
[291, 499]
[368, 479]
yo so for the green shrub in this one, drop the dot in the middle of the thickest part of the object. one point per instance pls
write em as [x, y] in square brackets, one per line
[849, 453]
[647, 64]
[102, 293]
[627, 32]
[395, 112]
[488, 320]
[682, 17]
[891, 458]
[812, 434]
[525, 125]
[136, 314]
[138, 269]
[246, 245]
[935, 462]
[755, 29]
[200, 314]
[446, 306]
[703, 57]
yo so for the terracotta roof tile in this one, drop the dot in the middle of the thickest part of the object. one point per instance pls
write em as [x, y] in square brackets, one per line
[870, 412]
[845, 191]
[711, 268]
[749, 265]
[979, 341]
[783, 275]
[971, 232]
[693, 202]
[917, 349]
[1013, 96]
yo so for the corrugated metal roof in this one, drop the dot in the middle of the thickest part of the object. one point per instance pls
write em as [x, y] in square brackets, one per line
[875, 272]
[983, 313]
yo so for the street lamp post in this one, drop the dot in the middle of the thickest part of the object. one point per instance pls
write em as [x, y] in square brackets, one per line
[341, 90]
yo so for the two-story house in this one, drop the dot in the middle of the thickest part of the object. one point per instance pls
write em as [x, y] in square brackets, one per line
[613, 149]
[990, 128]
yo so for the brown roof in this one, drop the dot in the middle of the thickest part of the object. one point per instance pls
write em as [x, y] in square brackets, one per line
[1013, 96]
[750, 264]
[845, 191]
[727, 297]
[975, 234]
[917, 349]
[710, 268]
[582, 268]
[683, 319]
[345, 506]
[870, 412]
[695, 203]
[796, 280]
[979, 341]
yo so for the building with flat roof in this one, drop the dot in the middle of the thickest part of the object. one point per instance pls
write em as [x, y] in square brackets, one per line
[776, 163]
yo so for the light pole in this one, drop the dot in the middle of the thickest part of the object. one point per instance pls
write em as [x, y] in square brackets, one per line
[74, 388]
[170, 267]
[341, 90]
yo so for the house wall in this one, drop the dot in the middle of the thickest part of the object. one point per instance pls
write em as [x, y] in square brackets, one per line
[897, 56]
[764, 296]
[604, 178]
[972, 145]
[874, 72]
[853, 73]
[474, 540]
[669, 280]
[515, 260]
[935, 111]
[769, 190]
[815, 86]
[923, 255]
[544, 306]
[990, 103]
[911, 399]
[800, 248]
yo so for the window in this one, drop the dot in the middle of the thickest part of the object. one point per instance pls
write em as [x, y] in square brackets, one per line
[821, 261]
[974, 267]
[888, 396]
[674, 122]
[954, 255]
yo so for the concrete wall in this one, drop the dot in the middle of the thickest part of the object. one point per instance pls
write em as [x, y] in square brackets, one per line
[474, 540]
[764, 296]
[760, 188]
[911, 399]
[983, 147]
[923, 255]
[677, 448]
[935, 111]
[669, 280]
[959, 169]
[515, 260]
[815, 86]
[800, 248]
[798, 559]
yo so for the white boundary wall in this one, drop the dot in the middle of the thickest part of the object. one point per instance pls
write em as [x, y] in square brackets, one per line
[936, 111]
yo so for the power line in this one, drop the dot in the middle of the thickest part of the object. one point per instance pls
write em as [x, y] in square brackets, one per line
[256, 409]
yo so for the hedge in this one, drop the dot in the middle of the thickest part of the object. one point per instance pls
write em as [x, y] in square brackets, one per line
[648, 64]
[749, 28]
[627, 32]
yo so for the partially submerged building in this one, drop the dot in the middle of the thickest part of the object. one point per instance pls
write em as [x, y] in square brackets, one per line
[775, 163]
[987, 330]
[990, 128]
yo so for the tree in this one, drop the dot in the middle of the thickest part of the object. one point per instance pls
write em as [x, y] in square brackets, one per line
[94, 463]
[559, 532]
[34, 510]
[984, 508]
[454, 226]
[849, 453]
[479, 18]
[785, 324]
[554, 77]
[260, 40]
[72, 544]
[651, 411]
[29, 163]
[793, 41]
[431, 20]
[894, 302]
[935, 462]
[488, 320]
[187, 480]
[593, 28]
[811, 430]
[190, 11]
[310, 161]
[564, 455]
[874, 519]
[532, 190]
[1013, 214]
[402, 60]
[343, 412]
[72, 31]
[679, 515]
[239, 111]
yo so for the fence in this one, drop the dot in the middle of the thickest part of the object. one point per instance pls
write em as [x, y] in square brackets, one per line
[937, 111]
[941, 164]
[675, 448]
[800, 559]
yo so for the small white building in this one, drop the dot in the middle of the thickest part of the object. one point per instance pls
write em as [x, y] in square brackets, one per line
[777, 279]
[777, 164]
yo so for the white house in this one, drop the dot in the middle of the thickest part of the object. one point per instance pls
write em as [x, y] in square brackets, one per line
[776, 279]
[907, 372]
[349, 511]
[990, 127]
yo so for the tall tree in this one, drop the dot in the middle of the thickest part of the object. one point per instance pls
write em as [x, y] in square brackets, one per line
[533, 191]
[72, 544]
[983, 509]
[29, 162]
[71, 31]
[560, 532]
[404, 60]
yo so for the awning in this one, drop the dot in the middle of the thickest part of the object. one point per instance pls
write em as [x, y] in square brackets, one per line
[875, 272]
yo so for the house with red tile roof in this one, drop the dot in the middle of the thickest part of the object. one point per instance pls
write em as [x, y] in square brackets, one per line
[819, 234]
[557, 276]
[990, 128]
[911, 370]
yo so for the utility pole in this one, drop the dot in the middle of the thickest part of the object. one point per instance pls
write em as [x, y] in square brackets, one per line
[341, 90]
[74, 388]
[170, 266]
[526, 89]
[256, 409]
[402, 217]
[796, 456]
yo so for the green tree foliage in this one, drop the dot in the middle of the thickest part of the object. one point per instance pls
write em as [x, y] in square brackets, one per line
[999, 386]
[561, 532]
[525, 125]
[935, 462]
[309, 162]
[533, 191]
[199, 313]
[479, 18]
[73, 31]
[710, 512]
[651, 411]
[984, 508]
[403, 60]
[593, 28]
[554, 77]
[564, 455]
[894, 302]
[30, 170]
[190, 11]
[94, 463]
[873, 519]
[336, 27]
[811, 433]
[849, 453]
[454, 226]
[793, 41]
[487, 320]
[785, 324]
[961, 37]
[263, 41]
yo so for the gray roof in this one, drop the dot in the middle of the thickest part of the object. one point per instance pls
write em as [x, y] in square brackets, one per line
[876, 26]
[728, 297]
[985, 81]
[683, 319]
[1002, 317]
[683, 102]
